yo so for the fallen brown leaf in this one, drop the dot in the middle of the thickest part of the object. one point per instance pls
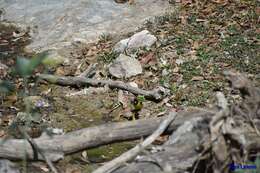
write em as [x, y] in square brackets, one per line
[147, 58]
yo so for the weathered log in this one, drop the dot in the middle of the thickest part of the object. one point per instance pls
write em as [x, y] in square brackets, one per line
[130, 154]
[155, 94]
[54, 147]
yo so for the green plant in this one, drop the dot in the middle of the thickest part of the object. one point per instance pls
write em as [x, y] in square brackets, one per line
[108, 57]
[104, 37]
[6, 87]
[141, 98]
[190, 69]
[180, 43]
[204, 54]
[25, 67]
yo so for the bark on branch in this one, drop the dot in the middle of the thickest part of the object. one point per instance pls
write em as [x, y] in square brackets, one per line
[56, 146]
[156, 94]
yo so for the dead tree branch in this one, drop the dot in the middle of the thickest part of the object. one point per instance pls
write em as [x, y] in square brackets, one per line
[54, 147]
[156, 94]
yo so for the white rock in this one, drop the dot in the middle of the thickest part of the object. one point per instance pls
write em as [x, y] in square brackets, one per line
[138, 40]
[125, 67]
[141, 39]
[121, 45]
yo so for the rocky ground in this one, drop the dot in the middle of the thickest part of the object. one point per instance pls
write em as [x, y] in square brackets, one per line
[184, 51]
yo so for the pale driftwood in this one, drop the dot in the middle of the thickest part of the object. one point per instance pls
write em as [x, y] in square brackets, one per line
[54, 147]
[156, 94]
[130, 154]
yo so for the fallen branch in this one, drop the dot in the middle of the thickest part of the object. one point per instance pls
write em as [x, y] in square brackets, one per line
[156, 94]
[54, 147]
[112, 165]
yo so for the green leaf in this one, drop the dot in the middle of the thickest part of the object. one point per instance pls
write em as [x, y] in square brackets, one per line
[25, 67]
[22, 65]
[140, 98]
[6, 87]
[36, 61]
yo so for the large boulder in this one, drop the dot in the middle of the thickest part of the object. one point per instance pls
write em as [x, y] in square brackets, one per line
[56, 23]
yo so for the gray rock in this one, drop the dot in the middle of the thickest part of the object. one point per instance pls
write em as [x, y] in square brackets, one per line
[125, 67]
[138, 40]
[7, 166]
[121, 46]
[141, 39]
[54, 23]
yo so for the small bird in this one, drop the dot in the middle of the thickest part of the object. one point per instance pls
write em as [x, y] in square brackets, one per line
[131, 111]
[137, 105]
